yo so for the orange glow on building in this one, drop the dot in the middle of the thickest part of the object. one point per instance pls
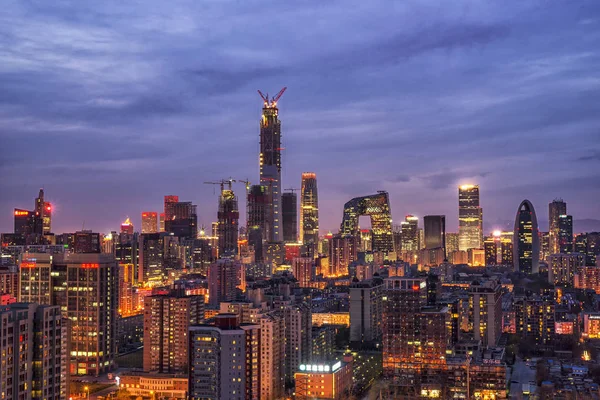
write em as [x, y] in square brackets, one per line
[563, 327]
[21, 213]
[90, 266]
[28, 265]
[318, 381]
[339, 318]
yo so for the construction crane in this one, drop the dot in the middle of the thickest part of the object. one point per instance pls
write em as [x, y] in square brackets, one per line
[222, 183]
[273, 102]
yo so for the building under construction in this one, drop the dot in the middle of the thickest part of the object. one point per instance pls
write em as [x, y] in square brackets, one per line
[228, 219]
[270, 162]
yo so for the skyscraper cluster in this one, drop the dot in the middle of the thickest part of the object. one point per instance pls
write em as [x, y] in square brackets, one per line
[271, 309]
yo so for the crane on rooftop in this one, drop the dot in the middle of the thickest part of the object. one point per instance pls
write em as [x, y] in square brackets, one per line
[222, 183]
[273, 102]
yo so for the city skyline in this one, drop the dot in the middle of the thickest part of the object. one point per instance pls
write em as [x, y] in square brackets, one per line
[111, 135]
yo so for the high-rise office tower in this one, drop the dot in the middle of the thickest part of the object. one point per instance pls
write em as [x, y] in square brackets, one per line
[270, 163]
[85, 286]
[168, 209]
[470, 218]
[149, 222]
[86, 241]
[182, 220]
[127, 227]
[526, 240]
[485, 311]
[342, 252]
[23, 221]
[224, 360]
[167, 319]
[161, 225]
[272, 355]
[366, 307]
[223, 278]
[151, 263]
[562, 268]
[490, 247]
[309, 209]
[34, 352]
[298, 330]
[9, 280]
[289, 214]
[127, 305]
[377, 207]
[257, 224]
[228, 228]
[451, 242]
[410, 233]
[43, 210]
[434, 227]
[302, 268]
[565, 233]
[557, 208]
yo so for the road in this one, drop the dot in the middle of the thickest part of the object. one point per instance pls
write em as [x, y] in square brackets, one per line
[522, 374]
[104, 392]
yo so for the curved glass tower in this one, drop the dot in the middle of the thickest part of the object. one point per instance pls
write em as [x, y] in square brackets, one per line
[526, 240]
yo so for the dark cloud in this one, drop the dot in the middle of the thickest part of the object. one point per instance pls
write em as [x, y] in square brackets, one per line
[113, 103]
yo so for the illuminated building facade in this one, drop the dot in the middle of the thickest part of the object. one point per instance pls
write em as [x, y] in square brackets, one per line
[588, 277]
[149, 222]
[150, 267]
[470, 218]
[34, 352]
[223, 279]
[342, 252]
[302, 268]
[149, 385]
[224, 360]
[161, 223]
[257, 223]
[168, 206]
[557, 208]
[563, 267]
[228, 227]
[485, 311]
[331, 318]
[167, 319]
[43, 210]
[86, 241]
[324, 381]
[526, 251]
[270, 164]
[377, 207]
[272, 355]
[410, 234]
[565, 233]
[183, 221]
[452, 242]
[126, 294]
[289, 215]
[309, 209]
[490, 247]
[298, 337]
[591, 325]
[534, 318]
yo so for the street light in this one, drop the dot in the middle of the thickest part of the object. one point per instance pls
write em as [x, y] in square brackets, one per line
[86, 389]
[152, 394]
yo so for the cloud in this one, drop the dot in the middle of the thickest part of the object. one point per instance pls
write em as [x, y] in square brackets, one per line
[590, 157]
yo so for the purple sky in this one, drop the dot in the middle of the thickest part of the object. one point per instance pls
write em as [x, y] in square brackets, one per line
[111, 105]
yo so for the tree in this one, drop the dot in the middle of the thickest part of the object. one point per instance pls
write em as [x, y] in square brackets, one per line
[123, 394]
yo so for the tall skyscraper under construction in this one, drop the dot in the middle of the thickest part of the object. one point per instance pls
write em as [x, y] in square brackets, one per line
[470, 218]
[309, 209]
[270, 162]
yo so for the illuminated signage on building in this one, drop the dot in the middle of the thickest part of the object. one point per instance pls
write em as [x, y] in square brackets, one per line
[320, 367]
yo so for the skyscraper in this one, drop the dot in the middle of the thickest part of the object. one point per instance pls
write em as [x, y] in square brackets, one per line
[43, 210]
[228, 227]
[470, 218]
[151, 250]
[377, 207]
[270, 162]
[302, 268]
[167, 319]
[309, 209]
[298, 331]
[557, 208]
[224, 360]
[183, 219]
[272, 355]
[485, 311]
[366, 307]
[289, 214]
[168, 210]
[127, 227]
[410, 233]
[223, 278]
[85, 286]
[435, 231]
[34, 352]
[526, 240]
[565, 233]
[149, 222]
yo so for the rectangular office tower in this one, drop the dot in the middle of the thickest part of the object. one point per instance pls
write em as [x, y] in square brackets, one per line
[32, 352]
[85, 286]
[289, 207]
[470, 218]
[224, 360]
[149, 222]
[435, 231]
